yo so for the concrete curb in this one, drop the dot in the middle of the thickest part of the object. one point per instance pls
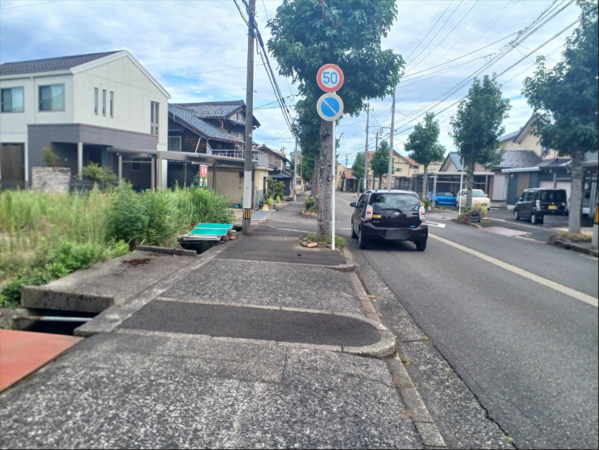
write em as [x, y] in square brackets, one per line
[167, 251]
[562, 243]
[382, 349]
[114, 316]
[407, 390]
[473, 225]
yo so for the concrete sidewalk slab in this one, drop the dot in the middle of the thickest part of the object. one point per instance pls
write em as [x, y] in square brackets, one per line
[182, 392]
[22, 353]
[253, 323]
[267, 284]
[103, 285]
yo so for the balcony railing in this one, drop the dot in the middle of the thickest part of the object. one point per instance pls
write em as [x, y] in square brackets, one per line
[260, 157]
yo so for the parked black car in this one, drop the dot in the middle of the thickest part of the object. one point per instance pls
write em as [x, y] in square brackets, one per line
[535, 204]
[392, 216]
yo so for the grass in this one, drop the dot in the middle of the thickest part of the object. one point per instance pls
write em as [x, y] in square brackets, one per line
[575, 237]
[47, 236]
[340, 242]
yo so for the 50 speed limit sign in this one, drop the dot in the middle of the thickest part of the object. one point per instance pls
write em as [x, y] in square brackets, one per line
[330, 78]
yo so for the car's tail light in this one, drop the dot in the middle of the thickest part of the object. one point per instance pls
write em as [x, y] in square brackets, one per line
[538, 204]
[369, 211]
[422, 214]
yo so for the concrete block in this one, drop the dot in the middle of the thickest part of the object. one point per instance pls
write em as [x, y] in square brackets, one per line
[51, 180]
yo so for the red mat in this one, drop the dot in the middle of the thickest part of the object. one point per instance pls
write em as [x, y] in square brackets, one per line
[22, 353]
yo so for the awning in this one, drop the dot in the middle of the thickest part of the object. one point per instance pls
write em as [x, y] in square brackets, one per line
[522, 169]
[180, 156]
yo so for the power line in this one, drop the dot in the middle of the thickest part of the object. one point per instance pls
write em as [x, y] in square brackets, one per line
[431, 30]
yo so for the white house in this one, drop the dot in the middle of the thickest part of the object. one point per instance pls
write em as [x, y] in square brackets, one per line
[81, 107]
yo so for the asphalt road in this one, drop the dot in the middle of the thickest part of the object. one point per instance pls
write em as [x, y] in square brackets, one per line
[526, 348]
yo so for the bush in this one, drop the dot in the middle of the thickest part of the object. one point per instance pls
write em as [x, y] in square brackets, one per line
[104, 175]
[279, 199]
[309, 203]
[50, 158]
[128, 219]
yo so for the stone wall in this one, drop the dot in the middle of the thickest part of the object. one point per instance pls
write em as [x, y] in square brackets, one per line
[51, 180]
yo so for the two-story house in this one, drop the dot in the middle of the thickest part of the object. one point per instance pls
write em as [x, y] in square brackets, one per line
[80, 107]
[404, 168]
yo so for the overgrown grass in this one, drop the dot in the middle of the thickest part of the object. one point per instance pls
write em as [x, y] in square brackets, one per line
[47, 236]
[574, 237]
[340, 242]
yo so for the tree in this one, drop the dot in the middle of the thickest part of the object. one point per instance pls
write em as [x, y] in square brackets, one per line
[306, 34]
[424, 147]
[477, 127]
[380, 162]
[564, 100]
[358, 168]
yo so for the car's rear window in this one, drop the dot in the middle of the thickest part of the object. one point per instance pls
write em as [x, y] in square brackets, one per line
[478, 194]
[403, 202]
[553, 196]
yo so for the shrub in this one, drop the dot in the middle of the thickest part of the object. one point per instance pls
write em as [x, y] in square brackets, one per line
[270, 202]
[104, 175]
[51, 159]
[279, 199]
[309, 202]
[128, 219]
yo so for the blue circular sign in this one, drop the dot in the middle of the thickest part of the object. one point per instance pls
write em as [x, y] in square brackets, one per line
[330, 107]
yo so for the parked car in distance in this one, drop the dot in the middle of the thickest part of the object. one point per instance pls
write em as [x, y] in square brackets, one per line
[535, 204]
[391, 216]
[479, 199]
[444, 198]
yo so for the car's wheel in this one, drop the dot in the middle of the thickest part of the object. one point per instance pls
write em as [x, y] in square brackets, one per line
[421, 245]
[353, 233]
[536, 220]
[362, 240]
[516, 215]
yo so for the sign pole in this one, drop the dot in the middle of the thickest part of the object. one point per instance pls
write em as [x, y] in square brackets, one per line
[249, 127]
[333, 187]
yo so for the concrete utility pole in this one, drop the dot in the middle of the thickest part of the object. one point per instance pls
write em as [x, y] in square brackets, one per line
[366, 148]
[295, 172]
[391, 151]
[249, 125]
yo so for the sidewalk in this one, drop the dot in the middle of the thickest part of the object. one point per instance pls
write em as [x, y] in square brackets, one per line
[259, 343]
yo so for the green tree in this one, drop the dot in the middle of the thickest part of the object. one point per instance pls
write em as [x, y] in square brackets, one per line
[478, 127]
[424, 147]
[358, 168]
[380, 162]
[564, 100]
[306, 34]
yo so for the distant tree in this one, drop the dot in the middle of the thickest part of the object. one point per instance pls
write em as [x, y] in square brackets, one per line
[358, 168]
[564, 100]
[380, 162]
[307, 166]
[306, 34]
[478, 127]
[424, 147]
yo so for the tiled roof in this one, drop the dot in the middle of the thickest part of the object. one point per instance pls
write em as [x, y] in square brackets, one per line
[411, 161]
[559, 162]
[455, 157]
[212, 110]
[50, 64]
[282, 175]
[507, 137]
[201, 126]
[515, 159]
[348, 174]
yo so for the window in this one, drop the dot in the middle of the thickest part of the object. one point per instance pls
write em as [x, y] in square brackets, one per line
[104, 102]
[174, 143]
[391, 202]
[96, 100]
[111, 104]
[399, 169]
[12, 100]
[51, 98]
[135, 164]
[154, 115]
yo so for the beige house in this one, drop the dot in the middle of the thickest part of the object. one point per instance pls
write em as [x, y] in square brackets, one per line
[525, 140]
[403, 169]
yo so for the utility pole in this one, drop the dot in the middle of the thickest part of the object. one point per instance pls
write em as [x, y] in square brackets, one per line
[295, 172]
[366, 148]
[391, 151]
[249, 125]
[376, 149]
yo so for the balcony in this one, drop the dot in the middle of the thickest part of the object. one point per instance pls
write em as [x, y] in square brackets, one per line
[260, 158]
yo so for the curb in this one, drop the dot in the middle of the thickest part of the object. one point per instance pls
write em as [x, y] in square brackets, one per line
[562, 243]
[473, 225]
[407, 390]
[167, 251]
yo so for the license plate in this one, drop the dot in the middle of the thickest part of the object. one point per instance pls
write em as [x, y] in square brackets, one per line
[552, 207]
[397, 234]
[376, 216]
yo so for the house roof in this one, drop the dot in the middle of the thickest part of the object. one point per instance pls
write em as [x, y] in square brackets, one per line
[411, 161]
[282, 175]
[514, 159]
[348, 174]
[50, 64]
[215, 110]
[554, 163]
[507, 137]
[457, 162]
[201, 127]
[274, 152]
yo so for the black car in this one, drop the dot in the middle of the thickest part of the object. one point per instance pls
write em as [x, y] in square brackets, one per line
[392, 216]
[535, 204]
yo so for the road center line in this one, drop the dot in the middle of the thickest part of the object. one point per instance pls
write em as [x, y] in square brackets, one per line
[537, 279]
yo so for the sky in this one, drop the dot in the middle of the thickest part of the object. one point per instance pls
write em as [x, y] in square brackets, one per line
[197, 49]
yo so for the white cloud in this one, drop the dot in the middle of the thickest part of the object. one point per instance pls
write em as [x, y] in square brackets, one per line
[178, 41]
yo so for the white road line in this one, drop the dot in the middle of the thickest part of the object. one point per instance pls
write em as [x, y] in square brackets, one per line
[537, 279]
[436, 225]
[342, 199]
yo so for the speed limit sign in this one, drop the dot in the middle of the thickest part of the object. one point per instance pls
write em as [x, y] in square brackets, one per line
[330, 78]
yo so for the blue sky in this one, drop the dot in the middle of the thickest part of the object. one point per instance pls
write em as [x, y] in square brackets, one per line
[197, 50]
